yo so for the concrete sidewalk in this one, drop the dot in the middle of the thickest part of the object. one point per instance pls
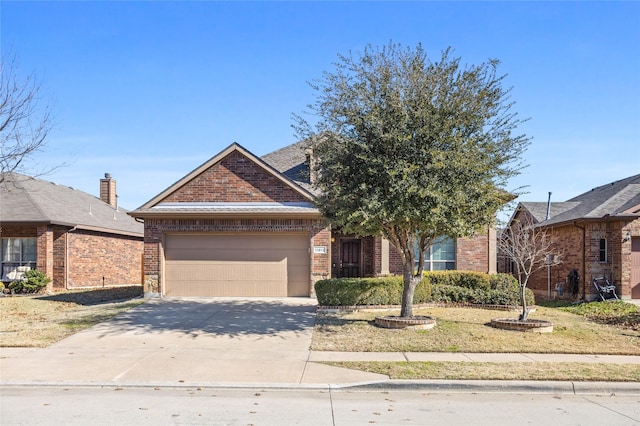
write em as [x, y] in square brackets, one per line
[175, 366]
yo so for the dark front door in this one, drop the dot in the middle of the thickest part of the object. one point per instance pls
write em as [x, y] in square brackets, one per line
[350, 259]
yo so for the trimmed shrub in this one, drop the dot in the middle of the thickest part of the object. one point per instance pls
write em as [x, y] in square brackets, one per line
[33, 282]
[439, 287]
[507, 290]
[468, 279]
[367, 291]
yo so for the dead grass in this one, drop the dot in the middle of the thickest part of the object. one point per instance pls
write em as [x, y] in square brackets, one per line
[38, 321]
[467, 330]
[499, 371]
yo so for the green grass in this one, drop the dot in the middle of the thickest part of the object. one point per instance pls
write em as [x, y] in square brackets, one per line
[468, 330]
[594, 328]
[499, 371]
[38, 321]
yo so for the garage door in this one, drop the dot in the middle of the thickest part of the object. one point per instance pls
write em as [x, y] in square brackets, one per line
[271, 265]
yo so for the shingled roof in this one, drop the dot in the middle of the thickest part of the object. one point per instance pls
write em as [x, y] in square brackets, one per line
[616, 199]
[24, 199]
[292, 162]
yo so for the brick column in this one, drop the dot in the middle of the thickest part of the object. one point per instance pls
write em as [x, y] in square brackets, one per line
[44, 254]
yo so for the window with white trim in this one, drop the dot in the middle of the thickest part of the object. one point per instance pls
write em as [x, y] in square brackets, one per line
[17, 255]
[441, 256]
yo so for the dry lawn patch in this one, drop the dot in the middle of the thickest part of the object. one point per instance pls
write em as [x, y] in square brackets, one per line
[38, 321]
[468, 330]
[565, 371]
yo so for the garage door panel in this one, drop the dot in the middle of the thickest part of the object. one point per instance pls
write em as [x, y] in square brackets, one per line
[228, 271]
[275, 265]
[231, 255]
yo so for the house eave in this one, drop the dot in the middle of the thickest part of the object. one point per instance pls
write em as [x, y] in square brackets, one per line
[225, 215]
[74, 226]
[607, 218]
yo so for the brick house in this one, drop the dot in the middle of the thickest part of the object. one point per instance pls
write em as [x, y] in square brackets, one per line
[597, 233]
[239, 225]
[76, 239]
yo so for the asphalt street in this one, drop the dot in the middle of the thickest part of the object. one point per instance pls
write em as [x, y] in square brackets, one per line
[114, 405]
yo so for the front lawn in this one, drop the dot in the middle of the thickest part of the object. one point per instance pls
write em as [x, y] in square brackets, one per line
[594, 328]
[467, 330]
[38, 321]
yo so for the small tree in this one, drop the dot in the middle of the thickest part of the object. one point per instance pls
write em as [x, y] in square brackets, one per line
[24, 123]
[528, 246]
[412, 149]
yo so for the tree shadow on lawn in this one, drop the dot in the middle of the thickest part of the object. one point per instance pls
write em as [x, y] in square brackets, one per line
[216, 317]
[96, 296]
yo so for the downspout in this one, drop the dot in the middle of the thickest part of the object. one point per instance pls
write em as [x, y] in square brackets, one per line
[66, 257]
[584, 259]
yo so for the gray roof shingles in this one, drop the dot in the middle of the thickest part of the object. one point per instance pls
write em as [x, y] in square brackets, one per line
[291, 161]
[610, 200]
[24, 199]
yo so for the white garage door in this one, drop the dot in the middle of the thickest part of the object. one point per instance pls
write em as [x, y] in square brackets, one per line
[215, 265]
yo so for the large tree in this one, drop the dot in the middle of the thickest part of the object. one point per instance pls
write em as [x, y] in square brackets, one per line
[24, 121]
[412, 149]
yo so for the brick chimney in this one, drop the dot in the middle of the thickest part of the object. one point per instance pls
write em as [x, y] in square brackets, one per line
[108, 191]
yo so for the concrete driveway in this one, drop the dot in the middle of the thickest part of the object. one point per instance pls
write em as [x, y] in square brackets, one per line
[175, 341]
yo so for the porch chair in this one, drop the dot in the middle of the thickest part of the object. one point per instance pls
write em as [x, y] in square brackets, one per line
[605, 290]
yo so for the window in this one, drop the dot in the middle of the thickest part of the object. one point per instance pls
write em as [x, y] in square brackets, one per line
[603, 250]
[441, 256]
[17, 256]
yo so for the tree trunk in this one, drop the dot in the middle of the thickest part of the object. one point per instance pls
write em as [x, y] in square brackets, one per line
[410, 283]
[523, 302]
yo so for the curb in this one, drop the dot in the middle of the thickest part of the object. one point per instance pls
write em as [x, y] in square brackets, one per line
[432, 386]
[509, 386]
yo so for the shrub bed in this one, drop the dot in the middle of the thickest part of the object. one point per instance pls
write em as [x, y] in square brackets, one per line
[367, 291]
[34, 281]
[436, 287]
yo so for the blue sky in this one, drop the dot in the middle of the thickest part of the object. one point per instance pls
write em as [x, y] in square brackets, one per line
[147, 91]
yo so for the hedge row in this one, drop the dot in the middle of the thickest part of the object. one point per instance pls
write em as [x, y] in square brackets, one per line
[443, 287]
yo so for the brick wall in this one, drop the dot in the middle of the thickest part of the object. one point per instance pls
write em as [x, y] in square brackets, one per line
[633, 227]
[569, 245]
[235, 179]
[59, 257]
[395, 261]
[18, 231]
[472, 254]
[92, 255]
[97, 259]
[319, 235]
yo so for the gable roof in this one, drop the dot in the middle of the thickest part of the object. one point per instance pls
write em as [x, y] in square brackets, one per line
[25, 199]
[539, 209]
[157, 206]
[618, 199]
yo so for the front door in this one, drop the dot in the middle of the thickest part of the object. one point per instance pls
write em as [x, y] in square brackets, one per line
[350, 259]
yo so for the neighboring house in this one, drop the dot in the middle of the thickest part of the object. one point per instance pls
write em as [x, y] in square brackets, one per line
[239, 225]
[597, 234]
[74, 238]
